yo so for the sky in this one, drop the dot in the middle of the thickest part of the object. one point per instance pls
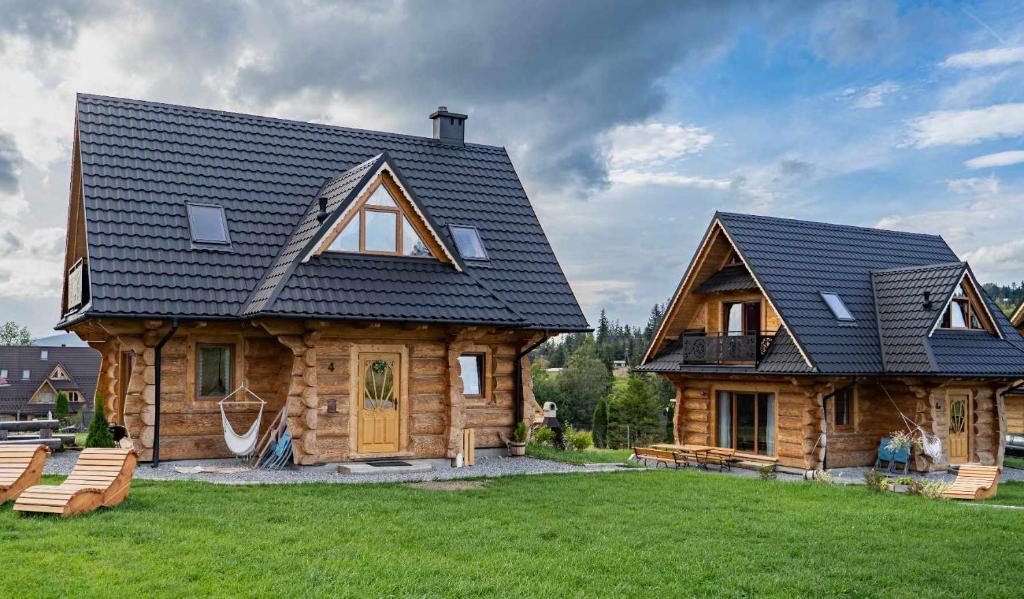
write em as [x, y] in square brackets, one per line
[630, 123]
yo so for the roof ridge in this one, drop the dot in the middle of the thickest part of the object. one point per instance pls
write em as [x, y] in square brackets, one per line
[825, 224]
[277, 120]
[935, 266]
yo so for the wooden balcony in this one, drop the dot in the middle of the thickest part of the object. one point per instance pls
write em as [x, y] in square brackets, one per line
[723, 348]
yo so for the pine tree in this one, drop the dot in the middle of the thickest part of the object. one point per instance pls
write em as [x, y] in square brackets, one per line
[99, 428]
[60, 411]
[600, 424]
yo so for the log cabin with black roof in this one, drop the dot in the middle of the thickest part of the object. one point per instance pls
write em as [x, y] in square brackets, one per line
[32, 376]
[806, 343]
[384, 288]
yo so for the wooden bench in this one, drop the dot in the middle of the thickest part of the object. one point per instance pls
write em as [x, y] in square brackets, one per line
[660, 456]
[974, 481]
[101, 478]
[20, 468]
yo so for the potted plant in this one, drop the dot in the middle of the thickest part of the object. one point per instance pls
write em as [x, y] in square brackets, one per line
[517, 447]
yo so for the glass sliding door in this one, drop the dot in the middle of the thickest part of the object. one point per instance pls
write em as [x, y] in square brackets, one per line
[746, 422]
[724, 419]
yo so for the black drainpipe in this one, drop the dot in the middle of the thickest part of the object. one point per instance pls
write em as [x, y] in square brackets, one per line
[824, 409]
[156, 419]
[518, 378]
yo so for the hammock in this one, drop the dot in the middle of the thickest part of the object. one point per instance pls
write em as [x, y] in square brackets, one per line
[931, 445]
[242, 445]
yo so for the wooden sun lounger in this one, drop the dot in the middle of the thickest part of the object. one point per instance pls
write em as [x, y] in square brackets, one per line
[974, 481]
[101, 478]
[20, 468]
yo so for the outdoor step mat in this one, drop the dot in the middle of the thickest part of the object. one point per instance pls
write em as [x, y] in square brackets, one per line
[388, 463]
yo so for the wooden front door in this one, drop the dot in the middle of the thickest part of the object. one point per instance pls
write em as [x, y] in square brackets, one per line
[379, 397]
[959, 410]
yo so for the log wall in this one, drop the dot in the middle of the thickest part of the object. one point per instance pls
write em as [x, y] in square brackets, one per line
[307, 366]
[801, 416]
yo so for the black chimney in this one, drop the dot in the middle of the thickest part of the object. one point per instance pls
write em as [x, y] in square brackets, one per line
[449, 127]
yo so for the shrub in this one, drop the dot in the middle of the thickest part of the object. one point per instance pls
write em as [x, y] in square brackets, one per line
[60, 411]
[543, 436]
[767, 472]
[824, 477]
[875, 481]
[579, 440]
[520, 433]
[934, 489]
[99, 428]
[600, 424]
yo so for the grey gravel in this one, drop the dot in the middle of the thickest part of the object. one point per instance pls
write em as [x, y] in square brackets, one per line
[488, 467]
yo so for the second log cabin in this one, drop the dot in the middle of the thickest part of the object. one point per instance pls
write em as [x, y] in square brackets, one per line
[808, 342]
[384, 288]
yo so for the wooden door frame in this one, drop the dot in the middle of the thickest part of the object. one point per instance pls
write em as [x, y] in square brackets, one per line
[747, 388]
[968, 425]
[355, 401]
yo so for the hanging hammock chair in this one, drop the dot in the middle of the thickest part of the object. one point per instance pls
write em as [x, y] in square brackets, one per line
[242, 445]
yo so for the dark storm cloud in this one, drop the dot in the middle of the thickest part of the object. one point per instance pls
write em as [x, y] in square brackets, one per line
[543, 78]
[52, 22]
[10, 158]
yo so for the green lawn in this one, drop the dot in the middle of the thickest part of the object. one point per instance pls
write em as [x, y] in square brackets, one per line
[590, 456]
[631, 534]
[1009, 494]
[1013, 462]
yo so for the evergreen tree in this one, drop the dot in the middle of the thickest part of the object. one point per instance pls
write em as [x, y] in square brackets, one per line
[635, 416]
[99, 429]
[581, 384]
[60, 411]
[600, 424]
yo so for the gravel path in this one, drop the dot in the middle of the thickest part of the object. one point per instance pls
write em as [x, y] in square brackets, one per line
[61, 463]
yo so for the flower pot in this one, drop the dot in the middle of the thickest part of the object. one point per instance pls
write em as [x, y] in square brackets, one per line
[901, 488]
[517, 449]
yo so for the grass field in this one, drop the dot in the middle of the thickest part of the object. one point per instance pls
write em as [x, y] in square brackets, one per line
[630, 534]
[1013, 462]
[589, 456]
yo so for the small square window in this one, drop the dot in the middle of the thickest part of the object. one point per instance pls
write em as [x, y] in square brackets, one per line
[472, 370]
[468, 241]
[44, 354]
[208, 223]
[839, 309]
[26, 374]
[3, 374]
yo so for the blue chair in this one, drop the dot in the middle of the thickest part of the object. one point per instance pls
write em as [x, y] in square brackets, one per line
[893, 459]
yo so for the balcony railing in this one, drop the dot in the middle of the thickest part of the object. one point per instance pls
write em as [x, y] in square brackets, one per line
[722, 348]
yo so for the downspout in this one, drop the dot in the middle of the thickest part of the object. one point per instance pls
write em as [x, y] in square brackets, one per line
[518, 377]
[159, 377]
[824, 409]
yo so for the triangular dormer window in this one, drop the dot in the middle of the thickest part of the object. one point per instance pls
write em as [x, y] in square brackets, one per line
[58, 374]
[379, 223]
[965, 309]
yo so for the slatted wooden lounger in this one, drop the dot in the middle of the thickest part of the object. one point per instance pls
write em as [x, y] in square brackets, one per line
[101, 478]
[974, 481]
[20, 468]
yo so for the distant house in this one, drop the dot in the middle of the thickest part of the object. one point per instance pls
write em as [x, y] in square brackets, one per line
[32, 376]
[808, 342]
[384, 288]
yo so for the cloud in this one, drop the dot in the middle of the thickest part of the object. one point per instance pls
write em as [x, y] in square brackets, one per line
[31, 266]
[998, 159]
[985, 58]
[637, 177]
[973, 185]
[962, 127]
[10, 159]
[654, 143]
[874, 96]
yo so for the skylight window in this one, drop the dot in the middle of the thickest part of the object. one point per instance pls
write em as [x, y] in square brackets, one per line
[839, 309]
[468, 241]
[208, 224]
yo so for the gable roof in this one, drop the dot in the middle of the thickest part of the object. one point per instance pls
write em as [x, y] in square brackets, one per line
[142, 162]
[82, 364]
[880, 276]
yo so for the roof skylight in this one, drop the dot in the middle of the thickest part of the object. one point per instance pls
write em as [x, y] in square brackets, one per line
[207, 223]
[468, 240]
[839, 309]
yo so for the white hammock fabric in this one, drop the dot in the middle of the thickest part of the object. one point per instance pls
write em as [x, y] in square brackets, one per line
[241, 445]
